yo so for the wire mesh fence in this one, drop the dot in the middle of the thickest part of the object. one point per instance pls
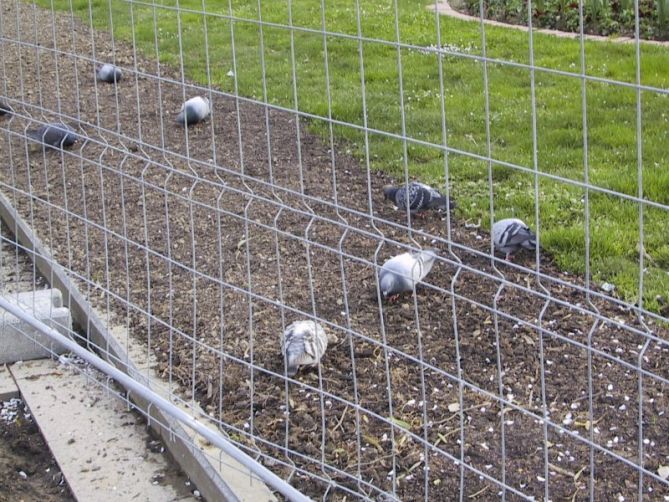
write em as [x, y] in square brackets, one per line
[542, 376]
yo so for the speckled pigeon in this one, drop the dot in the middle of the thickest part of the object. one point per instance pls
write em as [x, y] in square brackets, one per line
[421, 197]
[109, 73]
[193, 111]
[511, 235]
[401, 273]
[54, 135]
[303, 344]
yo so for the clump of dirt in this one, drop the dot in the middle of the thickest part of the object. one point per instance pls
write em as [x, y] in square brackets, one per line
[28, 471]
[207, 244]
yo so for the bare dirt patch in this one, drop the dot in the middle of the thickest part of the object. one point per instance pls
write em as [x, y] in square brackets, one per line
[28, 471]
[205, 246]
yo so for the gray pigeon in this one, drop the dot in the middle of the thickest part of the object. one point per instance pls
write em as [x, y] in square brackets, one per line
[193, 111]
[109, 73]
[5, 109]
[403, 272]
[54, 135]
[421, 197]
[511, 235]
[303, 344]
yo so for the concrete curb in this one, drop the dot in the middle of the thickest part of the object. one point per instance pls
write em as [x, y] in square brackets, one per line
[445, 9]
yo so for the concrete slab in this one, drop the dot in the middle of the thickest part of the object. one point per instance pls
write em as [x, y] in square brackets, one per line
[8, 388]
[99, 445]
[21, 342]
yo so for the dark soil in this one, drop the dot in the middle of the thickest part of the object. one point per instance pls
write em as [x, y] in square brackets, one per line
[23, 450]
[184, 240]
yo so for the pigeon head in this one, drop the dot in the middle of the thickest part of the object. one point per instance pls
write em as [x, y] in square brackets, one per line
[388, 285]
[389, 192]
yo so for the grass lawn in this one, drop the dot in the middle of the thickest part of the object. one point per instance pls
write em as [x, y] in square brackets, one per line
[611, 110]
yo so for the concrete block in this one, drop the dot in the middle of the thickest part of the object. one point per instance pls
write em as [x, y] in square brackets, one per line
[21, 342]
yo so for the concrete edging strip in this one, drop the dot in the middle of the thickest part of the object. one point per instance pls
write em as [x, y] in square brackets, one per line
[444, 8]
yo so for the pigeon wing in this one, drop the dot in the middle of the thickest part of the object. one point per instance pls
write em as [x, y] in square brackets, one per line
[426, 259]
[515, 234]
[303, 343]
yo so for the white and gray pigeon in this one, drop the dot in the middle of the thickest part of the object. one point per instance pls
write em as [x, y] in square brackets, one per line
[303, 344]
[403, 272]
[193, 111]
[109, 73]
[510, 235]
[421, 197]
[54, 135]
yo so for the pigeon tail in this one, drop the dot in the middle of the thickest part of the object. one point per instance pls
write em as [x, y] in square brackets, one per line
[291, 370]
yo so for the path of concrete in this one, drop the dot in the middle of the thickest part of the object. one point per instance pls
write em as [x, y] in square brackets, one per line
[101, 447]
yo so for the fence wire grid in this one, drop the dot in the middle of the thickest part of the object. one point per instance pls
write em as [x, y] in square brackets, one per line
[543, 377]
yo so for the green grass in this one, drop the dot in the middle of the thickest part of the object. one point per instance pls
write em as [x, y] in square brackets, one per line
[611, 111]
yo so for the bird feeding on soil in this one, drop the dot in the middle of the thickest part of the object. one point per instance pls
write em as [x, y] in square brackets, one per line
[303, 343]
[421, 197]
[109, 73]
[510, 235]
[54, 135]
[401, 273]
[193, 111]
